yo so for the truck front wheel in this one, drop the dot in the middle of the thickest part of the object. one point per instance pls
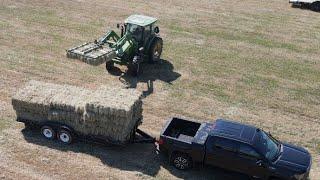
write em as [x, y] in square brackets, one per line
[48, 132]
[181, 161]
[65, 136]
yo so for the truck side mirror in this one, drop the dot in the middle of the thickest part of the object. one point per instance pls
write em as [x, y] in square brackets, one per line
[118, 25]
[156, 30]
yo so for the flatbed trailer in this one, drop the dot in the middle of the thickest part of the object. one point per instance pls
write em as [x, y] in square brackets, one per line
[66, 134]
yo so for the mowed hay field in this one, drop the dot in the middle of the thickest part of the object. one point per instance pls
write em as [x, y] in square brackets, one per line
[256, 62]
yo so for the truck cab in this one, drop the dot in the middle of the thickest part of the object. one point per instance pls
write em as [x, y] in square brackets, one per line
[232, 146]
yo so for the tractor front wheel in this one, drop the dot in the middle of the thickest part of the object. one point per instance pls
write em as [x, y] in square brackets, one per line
[109, 65]
[155, 50]
[134, 69]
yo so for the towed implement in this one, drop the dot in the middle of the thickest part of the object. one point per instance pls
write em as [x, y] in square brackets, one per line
[138, 42]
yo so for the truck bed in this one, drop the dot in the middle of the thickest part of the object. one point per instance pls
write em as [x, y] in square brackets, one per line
[185, 136]
[182, 130]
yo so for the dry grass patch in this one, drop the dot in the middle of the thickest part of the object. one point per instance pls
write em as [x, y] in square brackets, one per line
[256, 63]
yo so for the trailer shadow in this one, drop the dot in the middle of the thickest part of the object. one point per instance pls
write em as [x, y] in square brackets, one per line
[162, 70]
[141, 158]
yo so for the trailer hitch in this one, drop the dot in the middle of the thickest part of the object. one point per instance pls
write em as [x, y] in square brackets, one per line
[146, 138]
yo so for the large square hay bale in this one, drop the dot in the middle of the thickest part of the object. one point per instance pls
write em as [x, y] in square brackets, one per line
[109, 112]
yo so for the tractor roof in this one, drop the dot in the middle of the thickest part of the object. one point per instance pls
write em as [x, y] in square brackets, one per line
[140, 20]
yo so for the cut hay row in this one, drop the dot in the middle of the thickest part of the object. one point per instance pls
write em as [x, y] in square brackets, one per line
[109, 111]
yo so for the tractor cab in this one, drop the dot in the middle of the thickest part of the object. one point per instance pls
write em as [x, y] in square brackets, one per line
[141, 28]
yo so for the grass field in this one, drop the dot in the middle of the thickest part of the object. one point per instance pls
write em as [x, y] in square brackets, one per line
[251, 61]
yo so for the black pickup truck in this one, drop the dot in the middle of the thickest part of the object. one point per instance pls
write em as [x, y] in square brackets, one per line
[233, 146]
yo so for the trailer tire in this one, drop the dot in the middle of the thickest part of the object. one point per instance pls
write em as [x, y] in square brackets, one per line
[155, 50]
[181, 161]
[65, 136]
[109, 65]
[48, 132]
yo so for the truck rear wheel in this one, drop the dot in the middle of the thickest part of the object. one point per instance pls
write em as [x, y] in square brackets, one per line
[181, 161]
[65, 136]
[48, 132]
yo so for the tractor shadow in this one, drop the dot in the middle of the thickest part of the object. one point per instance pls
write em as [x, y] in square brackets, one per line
[140, 158]
[312, 7]
[162, 70]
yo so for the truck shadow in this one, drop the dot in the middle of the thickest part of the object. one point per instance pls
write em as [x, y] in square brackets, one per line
[162, 71]
[141, 158]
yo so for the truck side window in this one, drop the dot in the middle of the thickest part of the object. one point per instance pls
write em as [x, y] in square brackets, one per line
[225, 144]
[248, 151]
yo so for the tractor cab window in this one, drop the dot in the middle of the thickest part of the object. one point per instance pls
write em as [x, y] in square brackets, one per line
[152, 27]
[147, 33]
[148, 30]
[135, 31]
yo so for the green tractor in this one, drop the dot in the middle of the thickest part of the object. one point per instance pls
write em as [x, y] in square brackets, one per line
[138, 42]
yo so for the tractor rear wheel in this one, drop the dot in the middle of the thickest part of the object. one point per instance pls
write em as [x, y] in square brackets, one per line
[155, 50]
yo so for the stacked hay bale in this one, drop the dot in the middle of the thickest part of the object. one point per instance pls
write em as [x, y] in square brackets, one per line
[33, 101]
[117, 110]
[109, 112]
[68, 105]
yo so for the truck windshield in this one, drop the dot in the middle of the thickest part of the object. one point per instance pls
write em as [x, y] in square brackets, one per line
[268, 146]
